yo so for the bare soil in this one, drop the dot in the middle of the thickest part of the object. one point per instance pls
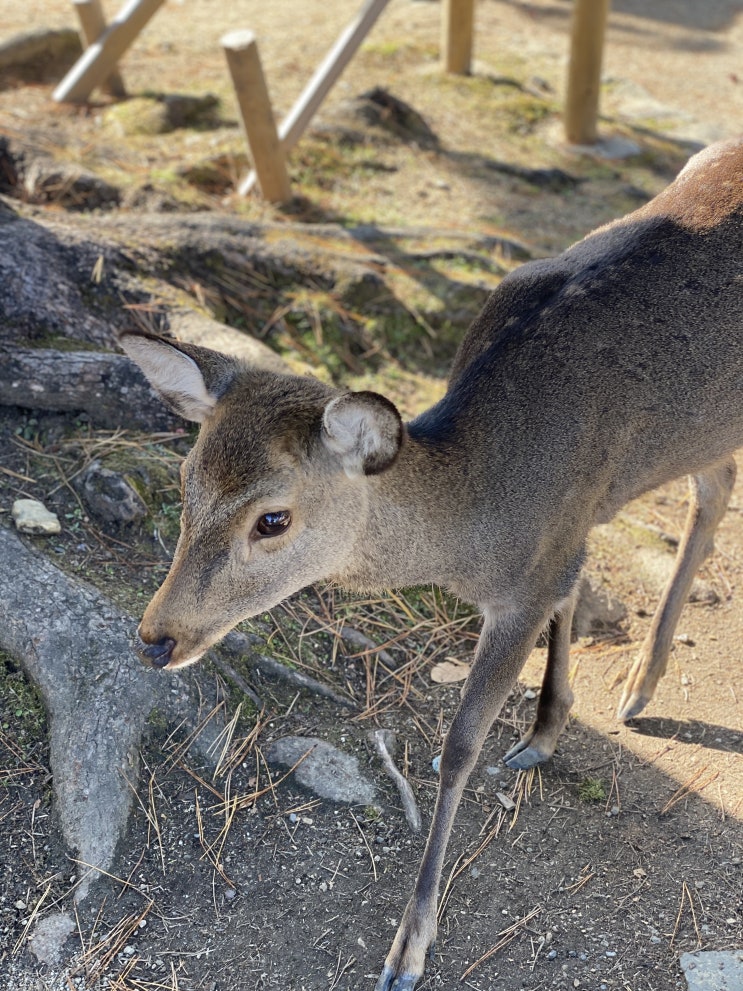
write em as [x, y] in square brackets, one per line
[622, 852]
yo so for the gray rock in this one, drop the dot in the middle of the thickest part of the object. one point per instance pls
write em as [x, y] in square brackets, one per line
[108, 495]
[49, 936]
[713, 970]
[702, 593]
[161, 114]
[32, 516]
[596, 610]
[75, 645]
[34, 54]
[657, 567]
[611, 148]
[377, 115]
[68, 186]
[326, 771]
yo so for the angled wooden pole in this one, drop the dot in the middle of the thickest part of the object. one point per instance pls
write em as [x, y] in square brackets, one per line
[92, 26]
[97, 61]
[457, 29]
[326, 74]
[584, 70]
[243, 60]
[294, 124]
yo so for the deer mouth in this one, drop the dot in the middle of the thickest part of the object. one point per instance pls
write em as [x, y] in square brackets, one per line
[158, 654]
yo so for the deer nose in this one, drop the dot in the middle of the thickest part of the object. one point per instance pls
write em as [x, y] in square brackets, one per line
[157, 654]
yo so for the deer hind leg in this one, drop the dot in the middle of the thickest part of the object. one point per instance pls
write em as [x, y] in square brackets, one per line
[710, 494]
[556, 697]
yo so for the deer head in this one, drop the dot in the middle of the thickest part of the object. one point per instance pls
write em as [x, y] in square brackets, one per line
[275, 490]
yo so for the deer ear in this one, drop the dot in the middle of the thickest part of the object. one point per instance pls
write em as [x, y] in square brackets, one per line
[365, 430]
[188, 378]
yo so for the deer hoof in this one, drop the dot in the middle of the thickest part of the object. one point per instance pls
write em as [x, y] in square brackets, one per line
[389, 981]
[522, 757]
[631, 705]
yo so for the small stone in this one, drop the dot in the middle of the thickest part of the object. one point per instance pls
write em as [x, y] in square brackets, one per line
[552, 954]
[230, 894]
[323, 769]
[530, 694]
[32, 516]
[20, 905]
[49, 936]
[508, 803]
[109, 496]
[436, 763]
[703, 594]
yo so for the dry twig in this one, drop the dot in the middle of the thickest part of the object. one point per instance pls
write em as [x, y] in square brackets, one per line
[383, 740]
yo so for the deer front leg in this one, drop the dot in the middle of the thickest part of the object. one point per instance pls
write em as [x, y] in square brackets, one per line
[710, 494]
[556, 697]
[504, 645]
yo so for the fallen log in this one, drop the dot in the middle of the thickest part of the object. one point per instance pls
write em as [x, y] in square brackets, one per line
[105, 386]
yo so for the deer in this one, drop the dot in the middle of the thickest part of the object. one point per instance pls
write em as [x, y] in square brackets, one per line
[587, 380]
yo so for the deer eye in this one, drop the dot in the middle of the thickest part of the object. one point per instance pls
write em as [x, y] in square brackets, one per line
[272, 524]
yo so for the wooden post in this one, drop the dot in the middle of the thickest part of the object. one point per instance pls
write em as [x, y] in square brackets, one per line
[457, 27]
[258, 122]
[97, 62]
[92, 26]
[584, 71]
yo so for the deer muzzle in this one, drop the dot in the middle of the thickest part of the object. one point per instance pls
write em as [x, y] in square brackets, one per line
[158, 654]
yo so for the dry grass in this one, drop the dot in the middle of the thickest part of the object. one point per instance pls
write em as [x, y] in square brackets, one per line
[102, 950]
[400, 637]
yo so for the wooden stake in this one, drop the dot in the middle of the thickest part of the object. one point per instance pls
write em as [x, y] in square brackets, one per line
[584, 71]
[241, 50]
[457, 27]
[98, 61]
[326, 74]
[92, 26]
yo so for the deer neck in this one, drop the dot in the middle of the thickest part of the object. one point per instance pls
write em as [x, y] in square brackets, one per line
[402, 541]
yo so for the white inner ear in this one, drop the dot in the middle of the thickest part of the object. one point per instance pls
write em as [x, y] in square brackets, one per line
[356, 432]
[346, 435]
[173, 374]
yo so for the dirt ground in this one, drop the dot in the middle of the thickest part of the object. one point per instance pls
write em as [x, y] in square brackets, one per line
[622, 852]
